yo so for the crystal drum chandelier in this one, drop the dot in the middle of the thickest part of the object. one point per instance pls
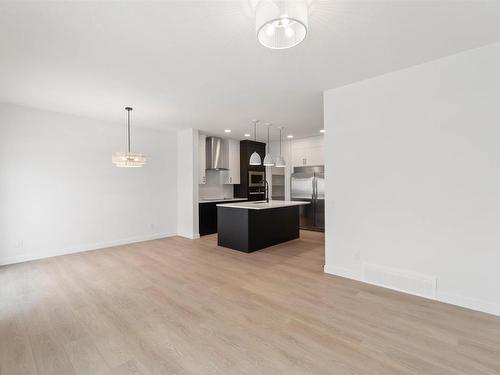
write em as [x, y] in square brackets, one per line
[281, 24]
[128, 159]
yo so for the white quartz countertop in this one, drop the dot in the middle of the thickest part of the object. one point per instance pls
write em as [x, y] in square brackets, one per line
[222, 200]
[262, 205]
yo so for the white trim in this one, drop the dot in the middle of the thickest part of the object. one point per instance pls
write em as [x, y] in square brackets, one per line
[405, 281]
[80, 248]
[453, 299]
[470, 303]
[191, 236]
[342, 272]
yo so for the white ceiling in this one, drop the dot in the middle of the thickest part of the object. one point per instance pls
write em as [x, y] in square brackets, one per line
[198, 63]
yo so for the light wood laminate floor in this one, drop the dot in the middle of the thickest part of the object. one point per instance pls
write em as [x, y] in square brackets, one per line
[176, 306]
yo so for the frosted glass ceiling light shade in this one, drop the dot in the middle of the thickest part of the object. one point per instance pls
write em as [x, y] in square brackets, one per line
[280, 162]
[255, 157]
[281, 24]
[128, 159]
[268, 161]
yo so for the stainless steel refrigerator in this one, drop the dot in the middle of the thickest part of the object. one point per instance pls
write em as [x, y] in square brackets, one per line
[308, 184]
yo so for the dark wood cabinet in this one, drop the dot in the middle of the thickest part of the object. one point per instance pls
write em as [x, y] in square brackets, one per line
[207, 216]
[247, 148]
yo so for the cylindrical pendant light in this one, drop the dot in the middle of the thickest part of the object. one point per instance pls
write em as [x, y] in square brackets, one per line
[280, 162]
[128, 159]
[281, 24]
[269, 159]
[255, 157]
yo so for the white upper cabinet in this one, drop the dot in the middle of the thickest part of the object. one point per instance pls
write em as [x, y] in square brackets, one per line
[308, 152]
[202, 173]
[232, 176]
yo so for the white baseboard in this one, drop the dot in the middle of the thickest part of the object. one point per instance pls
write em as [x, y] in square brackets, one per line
[343, 272]
[191, 236]
[453, 299]
[79, 248]
[470, 303]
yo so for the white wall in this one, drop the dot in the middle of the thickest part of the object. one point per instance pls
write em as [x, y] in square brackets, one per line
[60, 193]
[413, 176]
[187, 183]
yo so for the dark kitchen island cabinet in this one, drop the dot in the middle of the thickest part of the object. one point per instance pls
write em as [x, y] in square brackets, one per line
[251, 226]
[207, 214]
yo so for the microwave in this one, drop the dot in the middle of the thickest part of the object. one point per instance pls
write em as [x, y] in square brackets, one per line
[256, 179]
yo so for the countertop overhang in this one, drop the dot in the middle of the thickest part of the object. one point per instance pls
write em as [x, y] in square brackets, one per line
[262, 205]
[222, 200]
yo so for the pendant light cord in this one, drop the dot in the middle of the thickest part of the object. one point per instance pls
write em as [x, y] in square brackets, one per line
[280, 141]
[128, 132]
[128, 109]
[268, 145]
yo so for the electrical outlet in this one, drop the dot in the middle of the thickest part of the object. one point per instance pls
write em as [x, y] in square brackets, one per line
[20, 244]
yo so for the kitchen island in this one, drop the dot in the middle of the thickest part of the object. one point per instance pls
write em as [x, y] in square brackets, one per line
[251, 226]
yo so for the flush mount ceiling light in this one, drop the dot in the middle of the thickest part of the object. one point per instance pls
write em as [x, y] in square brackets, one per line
[281, 24]
[268, 160]
[255, 157]
[227, 131]
[128, 159]
[290, 136]
[280, 162]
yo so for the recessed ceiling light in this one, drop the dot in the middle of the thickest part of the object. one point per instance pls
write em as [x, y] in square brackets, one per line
[247, 134]
[289, 136]
[227, 131]
[322, 131]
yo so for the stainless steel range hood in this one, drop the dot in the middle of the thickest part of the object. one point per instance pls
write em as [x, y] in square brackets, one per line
[215, 154]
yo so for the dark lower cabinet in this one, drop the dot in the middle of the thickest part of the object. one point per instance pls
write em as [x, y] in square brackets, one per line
[207, 216]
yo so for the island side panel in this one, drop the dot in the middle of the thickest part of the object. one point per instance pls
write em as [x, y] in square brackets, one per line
[232, 228]
[272, 226]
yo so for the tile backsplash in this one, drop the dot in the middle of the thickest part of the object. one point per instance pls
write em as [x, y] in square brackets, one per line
[214, 188]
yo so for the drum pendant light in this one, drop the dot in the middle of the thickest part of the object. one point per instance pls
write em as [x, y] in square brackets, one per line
[255, 157]
[268, 160]
[281, 24]
[128, 159]
[280, 162]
